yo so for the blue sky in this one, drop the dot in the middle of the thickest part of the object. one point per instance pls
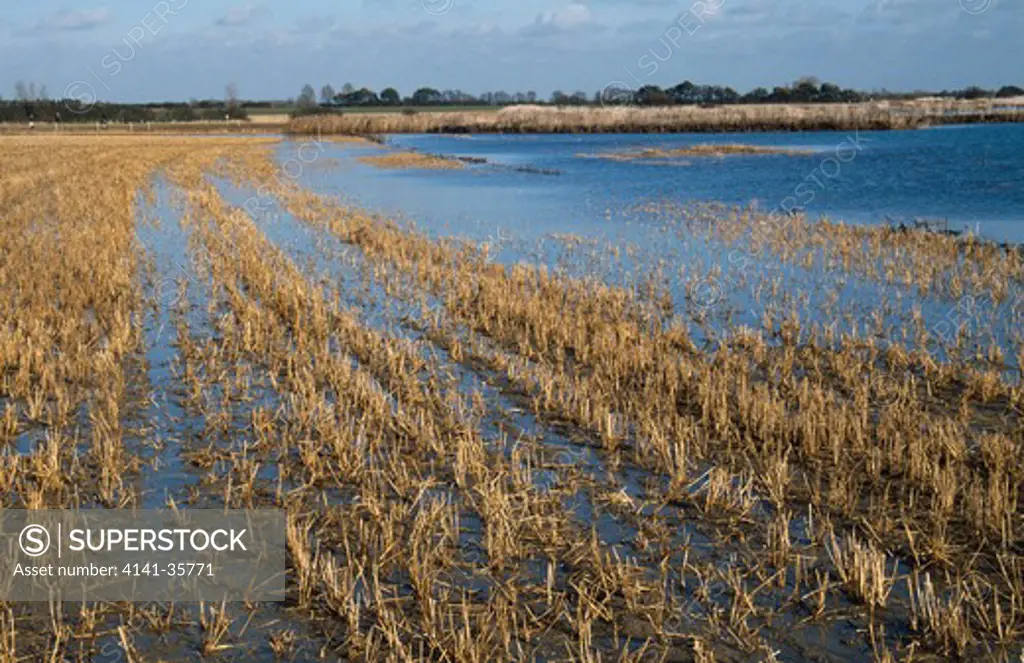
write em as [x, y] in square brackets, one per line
[179, 49]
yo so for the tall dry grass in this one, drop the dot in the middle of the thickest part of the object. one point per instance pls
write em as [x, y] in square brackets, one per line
[791, 117]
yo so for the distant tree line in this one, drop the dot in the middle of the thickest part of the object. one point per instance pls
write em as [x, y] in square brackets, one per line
[33, 104]
[975, 92]
[72, 110]
[804, 91]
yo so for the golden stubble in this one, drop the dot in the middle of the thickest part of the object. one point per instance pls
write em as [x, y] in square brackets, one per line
[779, 483]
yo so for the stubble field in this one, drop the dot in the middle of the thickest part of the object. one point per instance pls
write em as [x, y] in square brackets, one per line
[484, 462]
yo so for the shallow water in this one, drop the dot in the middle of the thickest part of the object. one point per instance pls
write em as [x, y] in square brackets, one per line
[585, 220]
[529, 217]
[969, 176]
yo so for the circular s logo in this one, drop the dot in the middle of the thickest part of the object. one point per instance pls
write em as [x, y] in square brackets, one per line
[34, 540]
[82, 94]
[706, 292]
[617, 94]
[975, 6]
[438, 7]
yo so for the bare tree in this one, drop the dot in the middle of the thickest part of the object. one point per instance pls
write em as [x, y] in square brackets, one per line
[327, 94]
[231, 95]
[307, 98]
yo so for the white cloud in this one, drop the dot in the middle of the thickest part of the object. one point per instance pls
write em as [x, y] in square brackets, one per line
[241, 16]
[542, 45]
[67, 20]
[571, 16]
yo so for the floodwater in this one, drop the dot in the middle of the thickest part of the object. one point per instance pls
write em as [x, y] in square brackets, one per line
[969, 176]
[539, 199]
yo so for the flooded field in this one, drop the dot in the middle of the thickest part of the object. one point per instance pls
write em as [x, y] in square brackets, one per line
[533, 406]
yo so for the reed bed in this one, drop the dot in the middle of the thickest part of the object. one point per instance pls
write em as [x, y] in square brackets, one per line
[404, 159]
[699, 150]
[521, 465]
[537, 119]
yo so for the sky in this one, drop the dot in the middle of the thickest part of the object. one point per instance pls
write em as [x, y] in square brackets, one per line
[154, 50]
